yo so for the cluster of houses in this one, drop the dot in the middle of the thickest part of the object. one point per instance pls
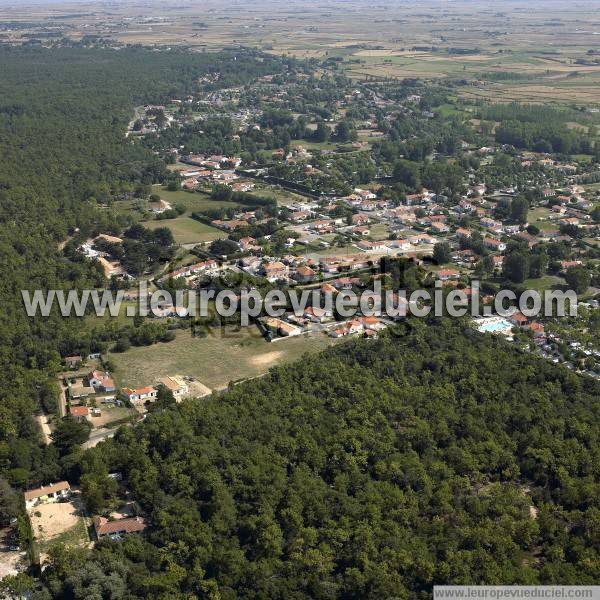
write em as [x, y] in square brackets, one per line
[214, 169]
[139, 396]
[87, 392]
[61, 492]
[111, 267]
[98, 388]
[205, 267]
[320, 319]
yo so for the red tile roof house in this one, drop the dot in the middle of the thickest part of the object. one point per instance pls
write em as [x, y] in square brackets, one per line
[316, 314]
[361, 230]
[367, 246]
[246, 242]
[206, 266]
[347, 328]
[519, 319]
[401, 245]
[102, 382]
[73, 361]
[79, 413]
[494, 244]
[104, 527]
[275, 270]
[346, 283]
[47, 493]
[568, 264]
[360, 219]
[304, 274]
[140, 394]
[446, 274]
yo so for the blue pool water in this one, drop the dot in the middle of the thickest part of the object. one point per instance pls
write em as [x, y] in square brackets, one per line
[494, 326]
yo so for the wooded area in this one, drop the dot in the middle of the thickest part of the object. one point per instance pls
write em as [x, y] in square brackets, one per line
[375, 469]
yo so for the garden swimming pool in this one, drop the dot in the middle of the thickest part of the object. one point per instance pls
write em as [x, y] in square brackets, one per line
[494, 326]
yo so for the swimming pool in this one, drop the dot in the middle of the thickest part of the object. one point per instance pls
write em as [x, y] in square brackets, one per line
[495, 326]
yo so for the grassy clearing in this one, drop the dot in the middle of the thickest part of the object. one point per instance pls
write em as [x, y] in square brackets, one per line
[539, 216]
[379, 231]
[193, 201]
[215, 360]
[547, 282]
[92, 320]
[75, 536]
[283, 197]
[187, 230]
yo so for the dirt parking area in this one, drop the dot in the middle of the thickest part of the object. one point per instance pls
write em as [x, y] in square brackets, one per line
[109, 415]
[11, 561]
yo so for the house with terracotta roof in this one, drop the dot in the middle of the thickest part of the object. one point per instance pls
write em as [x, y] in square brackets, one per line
[281, 327]
[300, 215]
[494, 244]
[523, 236]
[47, 493]
[176, 385]
[447, 274]
[79, 413]
[569, 264]
[402, 245]
[367, 246]
[101, 381]
[360, 230]
[275, 270]
[317, 314]
[360, 219]
[304, 274]
[140, 394]
[439, 227]
[421, 238]
[519, 319]
[246, 242]
[73, 361]
[569, 221]
[103, 527]
[348, 328]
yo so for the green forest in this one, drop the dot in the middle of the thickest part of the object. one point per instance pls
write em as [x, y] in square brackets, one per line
[63, 117]
[373, 470]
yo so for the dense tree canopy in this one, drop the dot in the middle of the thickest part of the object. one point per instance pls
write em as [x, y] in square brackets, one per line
[375, 469]
[63, 117]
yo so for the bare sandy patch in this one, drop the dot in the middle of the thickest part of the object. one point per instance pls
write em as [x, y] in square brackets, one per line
[198, 389]
[266, 359]
[50, 520]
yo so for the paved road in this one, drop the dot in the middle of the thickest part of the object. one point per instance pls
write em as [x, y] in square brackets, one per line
[99, 435]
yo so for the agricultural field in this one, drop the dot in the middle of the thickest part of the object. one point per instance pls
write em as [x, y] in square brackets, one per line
[187, 230]
[538, 53]
[215, 360]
